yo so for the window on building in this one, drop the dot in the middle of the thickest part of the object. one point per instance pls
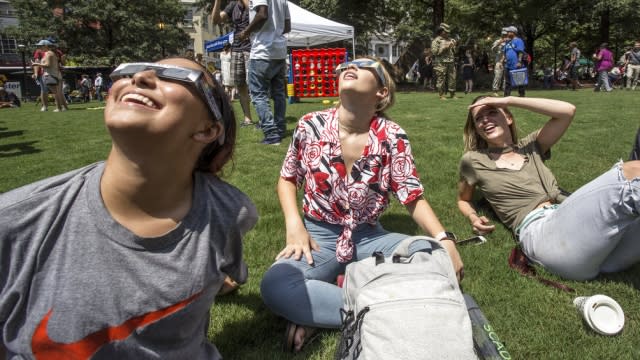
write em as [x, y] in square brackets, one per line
[187, 21]
[8, 45]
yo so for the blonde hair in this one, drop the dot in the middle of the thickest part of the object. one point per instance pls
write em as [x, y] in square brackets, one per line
[473, 141]
[390, 99]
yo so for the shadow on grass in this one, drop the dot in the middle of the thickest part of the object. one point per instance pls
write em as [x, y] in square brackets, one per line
[6, 134]
[291, 120]
[631, 276]
[238, 339]
[17, 149]
[402, 224]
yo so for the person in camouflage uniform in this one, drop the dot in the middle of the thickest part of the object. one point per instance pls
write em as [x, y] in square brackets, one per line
[443, 49]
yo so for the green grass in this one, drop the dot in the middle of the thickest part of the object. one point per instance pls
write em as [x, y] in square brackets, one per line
[534, 321]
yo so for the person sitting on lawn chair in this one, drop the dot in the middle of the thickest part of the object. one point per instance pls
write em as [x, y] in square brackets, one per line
[572, 237]
[124, 258]
[349, 160]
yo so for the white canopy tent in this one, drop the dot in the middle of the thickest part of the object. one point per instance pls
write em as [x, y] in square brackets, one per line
[309, 29]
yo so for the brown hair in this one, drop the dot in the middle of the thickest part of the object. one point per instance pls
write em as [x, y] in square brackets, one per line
[215, 155]
[472, 140]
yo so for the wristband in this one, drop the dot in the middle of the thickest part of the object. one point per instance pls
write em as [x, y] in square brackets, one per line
[446, 235]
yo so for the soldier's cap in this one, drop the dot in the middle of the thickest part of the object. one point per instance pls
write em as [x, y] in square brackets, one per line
[445, 27]
[512, 29]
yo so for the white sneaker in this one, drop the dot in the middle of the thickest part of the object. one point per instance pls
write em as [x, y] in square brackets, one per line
[44, 108]
[56, 110]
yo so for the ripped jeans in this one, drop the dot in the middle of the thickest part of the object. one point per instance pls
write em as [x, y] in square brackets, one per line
[595, 230]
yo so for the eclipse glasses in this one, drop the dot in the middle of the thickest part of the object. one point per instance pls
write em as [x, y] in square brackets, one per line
[174, 73]
[364, 64]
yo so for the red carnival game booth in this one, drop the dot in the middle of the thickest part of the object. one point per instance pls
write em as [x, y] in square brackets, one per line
[312, 71]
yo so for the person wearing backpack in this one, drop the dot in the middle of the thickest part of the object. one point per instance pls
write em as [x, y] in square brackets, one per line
[348, 160]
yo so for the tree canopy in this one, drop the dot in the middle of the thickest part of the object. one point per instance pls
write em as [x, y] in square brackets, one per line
[108, 32]
[104, 32]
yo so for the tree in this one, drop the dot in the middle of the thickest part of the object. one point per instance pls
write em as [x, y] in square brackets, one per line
[105, 32]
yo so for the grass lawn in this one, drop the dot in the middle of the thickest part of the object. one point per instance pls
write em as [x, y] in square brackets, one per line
[533, 320]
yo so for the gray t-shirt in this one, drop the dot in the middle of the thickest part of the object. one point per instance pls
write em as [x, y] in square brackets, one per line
[74, 281]
[239, 17]
[512, 193]
[575, 53]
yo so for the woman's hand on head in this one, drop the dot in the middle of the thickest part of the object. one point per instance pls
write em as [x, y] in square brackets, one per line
[299, 243]
[501, 102]
[481, 225]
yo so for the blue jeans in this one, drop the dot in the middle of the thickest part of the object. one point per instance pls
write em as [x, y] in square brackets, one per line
[596, 229]
[306, 294]
[99, 93]
[267, 79]
[602, 83]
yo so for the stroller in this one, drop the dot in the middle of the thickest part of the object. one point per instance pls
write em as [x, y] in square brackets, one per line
[616, 77]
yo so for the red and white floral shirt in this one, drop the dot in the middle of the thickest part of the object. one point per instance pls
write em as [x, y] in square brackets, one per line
[314, 159]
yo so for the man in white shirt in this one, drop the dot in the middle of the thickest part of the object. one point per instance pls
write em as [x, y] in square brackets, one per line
[97, 84]
[269, 21]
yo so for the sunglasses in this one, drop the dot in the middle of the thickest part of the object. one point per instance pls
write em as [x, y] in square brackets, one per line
[193, 77]
[363, 64]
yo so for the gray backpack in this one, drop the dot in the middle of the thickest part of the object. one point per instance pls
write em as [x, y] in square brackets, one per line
[407, 306]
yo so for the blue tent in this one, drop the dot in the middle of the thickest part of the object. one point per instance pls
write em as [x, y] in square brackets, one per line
[218, 44]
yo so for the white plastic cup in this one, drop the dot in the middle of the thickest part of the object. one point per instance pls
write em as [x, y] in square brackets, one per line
[603, 314]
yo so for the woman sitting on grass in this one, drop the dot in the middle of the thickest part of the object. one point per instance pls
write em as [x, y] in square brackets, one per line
[595, 230]
[123, 258]
[349, 159]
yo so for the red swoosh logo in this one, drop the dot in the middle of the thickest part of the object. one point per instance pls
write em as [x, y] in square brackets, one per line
[44, 348]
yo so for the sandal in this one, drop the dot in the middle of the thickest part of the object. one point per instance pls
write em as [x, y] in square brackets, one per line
[228, 286]
[310, 335]
[246, 123]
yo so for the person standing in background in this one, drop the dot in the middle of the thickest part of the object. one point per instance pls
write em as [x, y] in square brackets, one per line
[269, 22]
[443, 49]
[50, 64]
[38, 71]
[514, 59]
[574, 65]
[633, 66]
[425, 69]
[85, 88]
[468, 68]
[237, 12]
[604, 62]
[225, 70]
[97, 83]
[498, 69]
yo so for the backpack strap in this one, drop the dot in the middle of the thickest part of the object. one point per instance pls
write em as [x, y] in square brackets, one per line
[405, 249]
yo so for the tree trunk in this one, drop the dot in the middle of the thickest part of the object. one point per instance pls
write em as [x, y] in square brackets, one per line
[605, 24]
[438, 13]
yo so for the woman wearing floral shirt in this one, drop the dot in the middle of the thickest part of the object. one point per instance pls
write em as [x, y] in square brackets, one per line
[348, 160]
